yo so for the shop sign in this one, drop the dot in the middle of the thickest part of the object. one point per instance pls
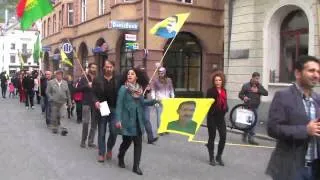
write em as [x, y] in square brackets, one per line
[130, 37]
[125, 25]
[132, 45]
[67, 48]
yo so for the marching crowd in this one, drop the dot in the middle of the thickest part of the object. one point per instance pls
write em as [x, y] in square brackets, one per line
[128, 97]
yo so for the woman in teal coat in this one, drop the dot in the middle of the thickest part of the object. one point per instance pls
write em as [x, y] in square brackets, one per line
[130, 116]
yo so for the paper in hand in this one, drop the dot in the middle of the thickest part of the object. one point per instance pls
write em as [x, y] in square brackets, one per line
[104, 109]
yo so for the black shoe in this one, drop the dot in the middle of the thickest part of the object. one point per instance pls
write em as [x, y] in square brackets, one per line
[153, 140]
[83, 145]
[137, 170]
[219, 161]
[212, 162]
[91, 145]
[121, 162]
[55, 131]
[64, 132]
[244, 138]
[252, 142]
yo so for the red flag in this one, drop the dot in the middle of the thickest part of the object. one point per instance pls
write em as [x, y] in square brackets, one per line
[20, 8]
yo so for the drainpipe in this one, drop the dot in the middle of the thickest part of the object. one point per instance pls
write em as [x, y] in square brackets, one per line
[230, 14]
[145, 32]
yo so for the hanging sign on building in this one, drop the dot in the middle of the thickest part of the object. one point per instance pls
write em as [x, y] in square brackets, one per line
[130, 37]
[125, 25]
[132, 45]
[67, 48]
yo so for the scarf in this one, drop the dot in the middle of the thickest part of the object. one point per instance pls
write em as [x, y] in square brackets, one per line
[134, 89]
[222, 100]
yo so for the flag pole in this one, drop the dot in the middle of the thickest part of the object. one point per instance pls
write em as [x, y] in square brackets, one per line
[75, 55]
[157, 68]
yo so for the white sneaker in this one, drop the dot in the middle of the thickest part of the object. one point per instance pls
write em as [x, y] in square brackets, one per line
[32, 107]
[27, 107]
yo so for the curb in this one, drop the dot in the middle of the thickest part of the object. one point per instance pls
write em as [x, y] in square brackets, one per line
[236, 131]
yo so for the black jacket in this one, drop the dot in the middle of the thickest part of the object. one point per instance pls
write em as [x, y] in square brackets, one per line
[43, 84]
[214, 109]
[98, 91]
[254, 100]
[28, 83]
[83, 86]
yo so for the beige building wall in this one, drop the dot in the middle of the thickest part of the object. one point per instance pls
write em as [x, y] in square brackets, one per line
[255, 26]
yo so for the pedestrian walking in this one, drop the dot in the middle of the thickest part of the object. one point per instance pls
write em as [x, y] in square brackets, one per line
[294, 121]
[89, 113]
[216, 117]
[45, 107]
[130, 116]
[36, 86]
[105, 88]
[148, 126]
[11, 90]
[78, 98]
[22, 96]
[251, 93]
[28, 86]
[58, 95]
[4, 83]
[161, 87]
[72, 91]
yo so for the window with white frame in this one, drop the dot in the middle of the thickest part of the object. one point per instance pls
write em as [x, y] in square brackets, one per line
[83, 10]
[13, 46]
[12, 58]
[70, 14]
[185, 1]
[102, 7]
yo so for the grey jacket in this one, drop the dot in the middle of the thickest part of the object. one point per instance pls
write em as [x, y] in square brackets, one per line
[287, 123]
[254, 100]
[58, 94]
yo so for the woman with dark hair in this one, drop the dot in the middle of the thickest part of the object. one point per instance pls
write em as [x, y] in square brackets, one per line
[215, 117]
[130, 116]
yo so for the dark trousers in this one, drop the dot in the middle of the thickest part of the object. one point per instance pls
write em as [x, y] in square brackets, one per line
[79, 110]
[102, 129]
[29, 97]
[38, 96]
[126, 142]
[4, 91]
[47, 109]
[215, 123]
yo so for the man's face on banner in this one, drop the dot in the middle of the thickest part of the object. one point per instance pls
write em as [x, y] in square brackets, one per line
[186, 112]
[172, 22]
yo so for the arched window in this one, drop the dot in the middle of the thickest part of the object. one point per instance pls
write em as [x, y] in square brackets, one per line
[183, 62]
[293, 43]
[83, 55]
[126, 57]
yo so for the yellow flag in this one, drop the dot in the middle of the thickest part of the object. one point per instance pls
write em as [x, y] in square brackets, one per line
[170, 27]
[65, 59]
[183, 115]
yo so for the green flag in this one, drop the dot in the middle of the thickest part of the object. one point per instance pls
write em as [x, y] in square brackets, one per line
[36, 50]
[34, 10]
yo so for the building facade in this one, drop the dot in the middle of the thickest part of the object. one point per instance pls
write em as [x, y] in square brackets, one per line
[267, 36]
[100, 29]
[16, 46]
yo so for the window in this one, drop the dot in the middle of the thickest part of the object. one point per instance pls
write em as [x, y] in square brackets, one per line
[49, 22]
[13, 46]
[59, 22]
[70, 14]
[83, 10]
[62, 16]
[294, 41]
[24, 48]
[12, 58]
[44, 28]
[185, 1]
[183, 62]
[54, 24]
[101, 7]
[126, 57]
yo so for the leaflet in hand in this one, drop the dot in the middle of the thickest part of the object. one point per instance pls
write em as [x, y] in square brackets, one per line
[104, 109]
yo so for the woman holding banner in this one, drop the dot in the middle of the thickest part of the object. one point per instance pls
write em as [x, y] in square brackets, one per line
[130, 115]
[215, 117]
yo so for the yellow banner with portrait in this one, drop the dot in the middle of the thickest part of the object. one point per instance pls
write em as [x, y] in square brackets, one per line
[183, 115]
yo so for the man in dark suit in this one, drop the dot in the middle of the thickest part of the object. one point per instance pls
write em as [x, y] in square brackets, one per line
[293, 121]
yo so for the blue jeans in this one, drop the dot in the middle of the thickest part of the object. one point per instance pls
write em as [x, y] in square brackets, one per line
[250, 133]
[47, 109]
[158, 112]
[102, 129]
[305, 173]
[147, 125]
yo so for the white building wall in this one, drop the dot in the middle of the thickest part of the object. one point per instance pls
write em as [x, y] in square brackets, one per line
[251, 30]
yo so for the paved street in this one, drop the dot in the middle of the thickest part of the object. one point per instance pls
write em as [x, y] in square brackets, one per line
[29, 151]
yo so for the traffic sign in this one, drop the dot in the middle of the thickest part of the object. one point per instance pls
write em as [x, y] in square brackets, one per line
[67, 48]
